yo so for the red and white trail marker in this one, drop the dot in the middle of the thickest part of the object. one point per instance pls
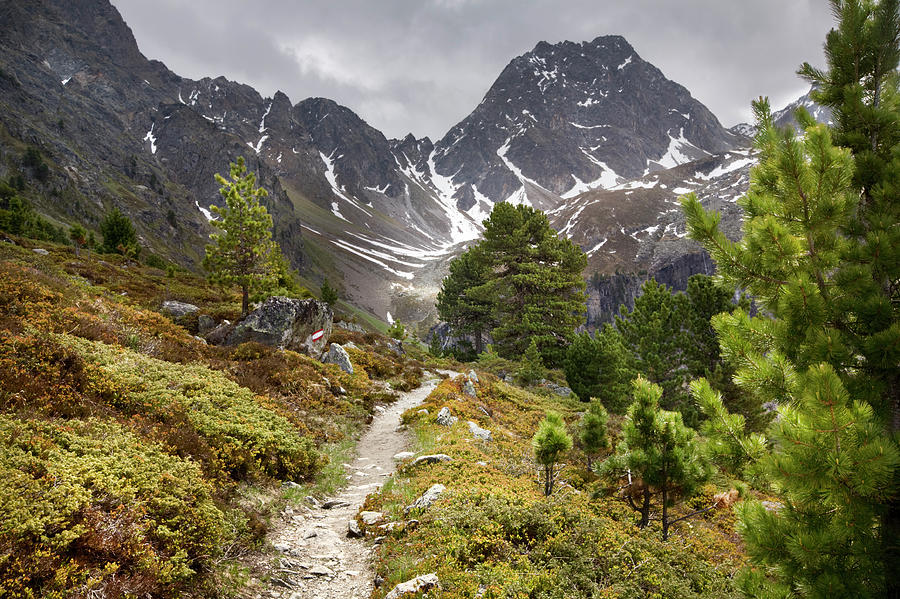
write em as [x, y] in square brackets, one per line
[318, 334]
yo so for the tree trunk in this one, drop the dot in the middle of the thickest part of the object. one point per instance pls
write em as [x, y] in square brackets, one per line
[665, 514]
[479, 342]
[548, 479]
[245, 300]
[645, 509]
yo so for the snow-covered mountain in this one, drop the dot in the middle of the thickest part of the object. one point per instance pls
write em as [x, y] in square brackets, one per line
[588, 131]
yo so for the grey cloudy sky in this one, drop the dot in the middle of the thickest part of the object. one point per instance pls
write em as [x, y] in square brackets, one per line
[423, 65]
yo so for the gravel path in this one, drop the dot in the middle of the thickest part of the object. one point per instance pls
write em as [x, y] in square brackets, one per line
[316, 557]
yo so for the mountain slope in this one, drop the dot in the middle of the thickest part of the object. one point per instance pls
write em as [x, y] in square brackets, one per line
[567, 117]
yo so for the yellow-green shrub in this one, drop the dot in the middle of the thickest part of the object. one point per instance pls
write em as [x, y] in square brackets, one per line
[86, 504]
[243, 437]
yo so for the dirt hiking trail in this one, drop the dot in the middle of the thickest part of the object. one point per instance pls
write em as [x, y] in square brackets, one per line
[315, 558]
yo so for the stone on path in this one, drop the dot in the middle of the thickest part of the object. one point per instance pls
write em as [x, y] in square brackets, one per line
[321, 571]
[370, 518]
[403, 455]
[333, 503]
[445, 418]
[416, 585]
[427, 498]
[353, 530]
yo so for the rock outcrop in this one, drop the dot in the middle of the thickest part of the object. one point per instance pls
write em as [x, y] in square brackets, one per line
[286, 323]
[339, 356]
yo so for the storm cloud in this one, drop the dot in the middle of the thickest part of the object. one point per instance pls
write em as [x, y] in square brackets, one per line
[422, 65]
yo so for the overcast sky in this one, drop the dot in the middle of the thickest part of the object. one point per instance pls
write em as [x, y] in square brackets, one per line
[423, 65]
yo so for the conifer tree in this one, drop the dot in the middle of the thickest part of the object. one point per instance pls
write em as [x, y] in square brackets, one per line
[463, 301]
[654, 333]
[329, 294]
[78, 235]
[242, 252]
[658, 456]
[536, 283]
[118, 234]
[532, 367]
[550, 440]
[819, 254]
[592, 430]
[598, 367]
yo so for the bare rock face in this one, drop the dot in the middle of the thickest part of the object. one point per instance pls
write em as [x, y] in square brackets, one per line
[286, 323]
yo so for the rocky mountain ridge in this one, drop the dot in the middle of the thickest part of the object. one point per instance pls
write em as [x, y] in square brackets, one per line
[590, 132]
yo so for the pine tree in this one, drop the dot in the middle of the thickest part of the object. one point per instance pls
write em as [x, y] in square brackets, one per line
[532, 367]
[463, 300]
[536, 283]
[861, 87]
[118, 234]
[598, 367]
[550, 440]
[819, 255]
[704, 300]
[329, 294]
[658, 456]
[592, 433]
[78, 235]
[654, 333]
[242, 252]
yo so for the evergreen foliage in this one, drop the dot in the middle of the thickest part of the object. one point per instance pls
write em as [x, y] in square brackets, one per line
[521, 282]
[593, 433]
[655, 335]
[536, 283]
[19, 218]
[658, 455]
[242, 252]
[328, 293]
[397, 330]
[550, 440]
[78, 236]
[598, 367]
[119, 236]
[463, 301]
[820, 255]
[532, 369]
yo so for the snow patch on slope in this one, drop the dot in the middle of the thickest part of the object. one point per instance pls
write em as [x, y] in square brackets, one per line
[149, 137]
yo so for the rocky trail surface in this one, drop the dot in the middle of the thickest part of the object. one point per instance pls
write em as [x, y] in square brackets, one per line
[315, 556]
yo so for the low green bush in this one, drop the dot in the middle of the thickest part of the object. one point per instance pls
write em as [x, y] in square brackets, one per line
[87, 505]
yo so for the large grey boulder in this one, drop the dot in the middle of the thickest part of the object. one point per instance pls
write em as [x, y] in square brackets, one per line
[427, 498]
[416, 585]
[178, 309]
[286, 323]
[338, 355]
